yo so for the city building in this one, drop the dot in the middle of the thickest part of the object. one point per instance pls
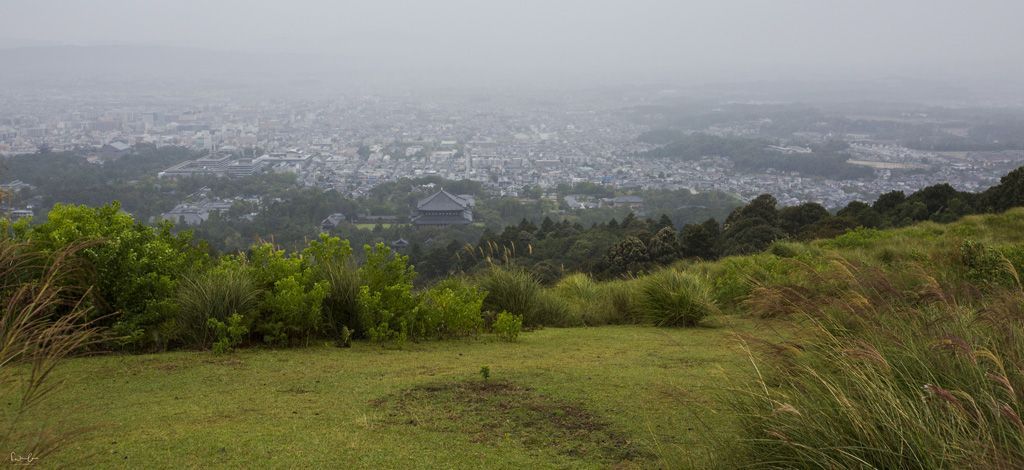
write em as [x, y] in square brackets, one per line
[443, 209]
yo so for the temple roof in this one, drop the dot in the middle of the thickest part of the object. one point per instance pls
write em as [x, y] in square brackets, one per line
[442, 201]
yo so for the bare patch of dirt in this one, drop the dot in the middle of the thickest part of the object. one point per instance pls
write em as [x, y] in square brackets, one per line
[493, 411]
[228, 362]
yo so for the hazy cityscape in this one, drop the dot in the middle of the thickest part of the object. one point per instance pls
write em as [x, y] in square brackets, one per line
[351, 144]
[617, 234]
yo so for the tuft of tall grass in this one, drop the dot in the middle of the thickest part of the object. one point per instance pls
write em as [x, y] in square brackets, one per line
[43, 320]
[341, 306]
[550, 310]
[215, 293]
[512, 290]
[596, 303]
[673, 298]
[516, 291]
[898, 372]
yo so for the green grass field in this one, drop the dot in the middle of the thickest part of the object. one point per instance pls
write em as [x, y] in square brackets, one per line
[618, 396]
[582, 397]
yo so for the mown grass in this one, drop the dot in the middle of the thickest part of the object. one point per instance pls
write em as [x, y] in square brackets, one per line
[321, 406]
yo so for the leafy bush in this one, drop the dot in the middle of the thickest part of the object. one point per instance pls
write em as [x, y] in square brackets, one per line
[330, 259]
[450, 309]
[986, 265]
[860, 237]
[228, 334]
[508, 326]
[291, 308]
[387, 308]
[137, 267]
[214, 294]
[673, 298]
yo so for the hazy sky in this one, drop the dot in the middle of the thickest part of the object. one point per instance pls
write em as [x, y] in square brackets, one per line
[568, 40]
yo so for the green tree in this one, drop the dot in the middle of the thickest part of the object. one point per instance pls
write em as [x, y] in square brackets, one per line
[137, 267]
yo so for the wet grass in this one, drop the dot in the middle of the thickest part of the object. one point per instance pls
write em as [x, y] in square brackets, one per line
[580, 397]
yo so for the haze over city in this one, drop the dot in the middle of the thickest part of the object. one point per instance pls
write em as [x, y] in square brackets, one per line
[644, 234]
[571, 43]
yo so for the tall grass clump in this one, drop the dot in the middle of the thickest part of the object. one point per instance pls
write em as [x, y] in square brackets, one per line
[593, 303]
[673, 298]
[516, 291]
[551, 310]
[582, 295]
[512, 290]
[621, 300]
[732, 279]
[341, 306]
[43, 320]
[896, 373]
[330, 259]
[215, 294]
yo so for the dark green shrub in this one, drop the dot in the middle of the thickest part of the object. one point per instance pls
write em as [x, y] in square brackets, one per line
[229, 334]
[673, 298]
[387, 308]
[330, 260]
[987, 266]
[291, 308]
[136, 268]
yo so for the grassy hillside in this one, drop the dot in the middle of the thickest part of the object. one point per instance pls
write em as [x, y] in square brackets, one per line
[877, 349]
[592, 397]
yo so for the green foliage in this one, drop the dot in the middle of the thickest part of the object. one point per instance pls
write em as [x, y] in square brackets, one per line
[387, 308]
[513, 290]
[137, 267]
[508, 326]
[673, 298]
[291, 309]
[550, 309]
[592, 304]
[450, 309]
[214, 295]
[987, 266]
[857, 238]
[330, 260]
[1008, 193]
[228, 334]
[485, 372]
[628, 256]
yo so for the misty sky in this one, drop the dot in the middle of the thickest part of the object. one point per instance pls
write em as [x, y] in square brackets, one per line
[597, 40]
